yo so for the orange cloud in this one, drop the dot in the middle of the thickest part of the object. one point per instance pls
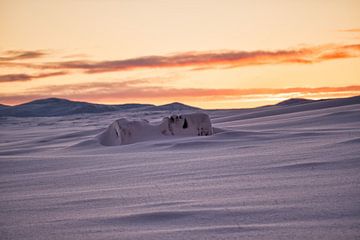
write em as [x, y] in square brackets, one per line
[27, 77]
[135, 91]
[199, 60]
[21, 55]
[205, 60]
[355, 30]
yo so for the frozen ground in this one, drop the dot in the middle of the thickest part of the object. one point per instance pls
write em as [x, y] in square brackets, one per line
[281, 172]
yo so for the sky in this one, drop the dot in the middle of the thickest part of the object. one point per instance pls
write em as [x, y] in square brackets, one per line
[211, 54]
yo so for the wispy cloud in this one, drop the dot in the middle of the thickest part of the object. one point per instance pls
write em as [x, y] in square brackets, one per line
[353, 30]
[14, 55]
[137, 91]
[224, 59]
[205, 60]
[28, 77]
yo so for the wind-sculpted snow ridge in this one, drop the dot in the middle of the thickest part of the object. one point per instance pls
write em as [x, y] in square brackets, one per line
[124, 131]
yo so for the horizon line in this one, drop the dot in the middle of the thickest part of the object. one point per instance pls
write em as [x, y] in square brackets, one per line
[68, 99]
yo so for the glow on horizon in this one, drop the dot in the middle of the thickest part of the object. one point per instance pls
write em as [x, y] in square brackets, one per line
[231, 54]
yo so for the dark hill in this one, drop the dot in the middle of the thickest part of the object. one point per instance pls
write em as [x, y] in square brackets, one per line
[296, 101]
[175, 106]
[50, 107]
[59, 107]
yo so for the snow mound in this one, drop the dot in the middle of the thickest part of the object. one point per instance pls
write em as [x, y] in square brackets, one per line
[124, 131]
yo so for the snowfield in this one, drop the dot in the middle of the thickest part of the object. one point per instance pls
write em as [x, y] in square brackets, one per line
[277, 172]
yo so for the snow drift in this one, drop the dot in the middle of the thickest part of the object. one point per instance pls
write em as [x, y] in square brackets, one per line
[276, 172]
[124, 131]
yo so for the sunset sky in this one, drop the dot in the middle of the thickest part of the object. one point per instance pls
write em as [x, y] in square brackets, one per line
[211, 54]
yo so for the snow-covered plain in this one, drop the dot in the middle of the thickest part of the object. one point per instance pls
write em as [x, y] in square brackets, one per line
[279, 172]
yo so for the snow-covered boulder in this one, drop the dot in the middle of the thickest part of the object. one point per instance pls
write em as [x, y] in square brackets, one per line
[123, 131]
[195, 124]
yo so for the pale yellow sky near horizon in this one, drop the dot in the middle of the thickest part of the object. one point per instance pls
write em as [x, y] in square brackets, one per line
[97, 32]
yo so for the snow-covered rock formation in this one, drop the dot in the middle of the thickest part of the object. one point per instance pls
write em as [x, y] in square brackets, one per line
[123, 131]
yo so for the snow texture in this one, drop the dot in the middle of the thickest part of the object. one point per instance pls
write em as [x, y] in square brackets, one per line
[276, 172]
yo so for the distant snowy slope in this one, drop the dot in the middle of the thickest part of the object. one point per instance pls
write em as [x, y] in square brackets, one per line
[292, 108]
[175, 106]
[2, 106]
[60, 107]
[296, 101]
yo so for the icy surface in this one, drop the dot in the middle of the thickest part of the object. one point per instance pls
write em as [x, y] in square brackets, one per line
[280, 172]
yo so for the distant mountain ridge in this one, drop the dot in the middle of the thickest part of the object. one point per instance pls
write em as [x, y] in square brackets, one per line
[3, 106]
[50, 107]
[296, 101]
[175, 106]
